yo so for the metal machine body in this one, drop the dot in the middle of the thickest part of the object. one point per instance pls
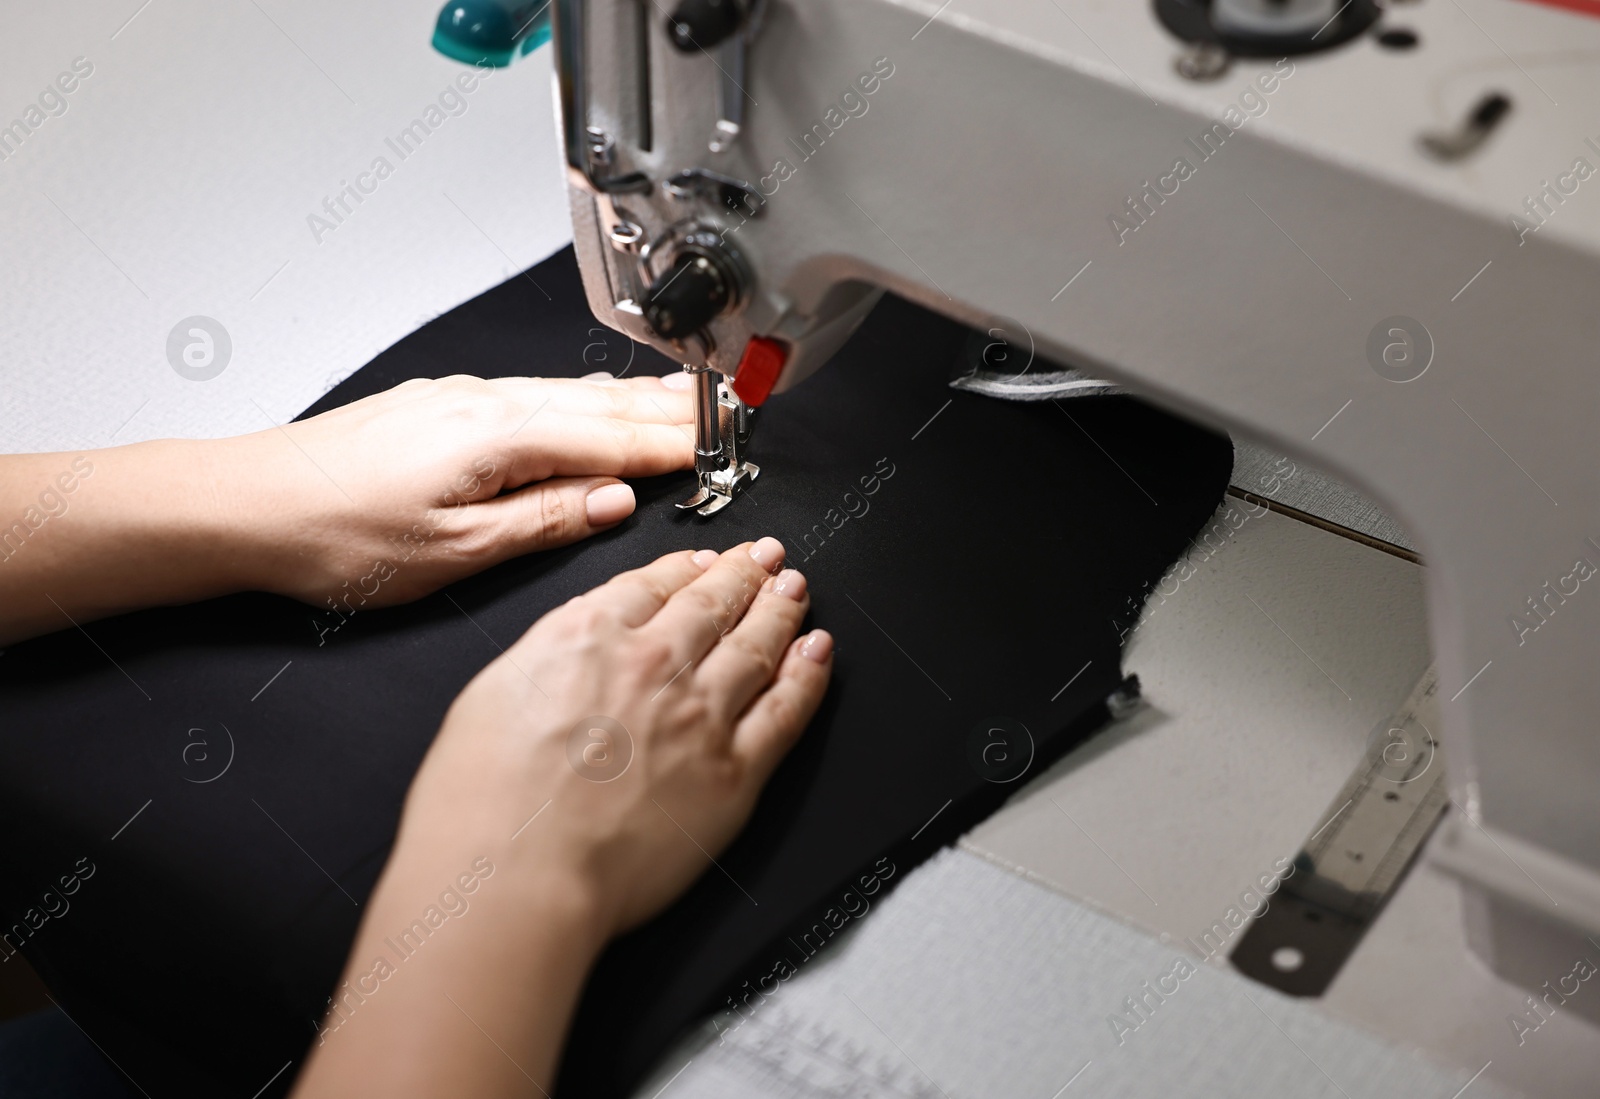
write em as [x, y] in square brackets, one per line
[1378, 256]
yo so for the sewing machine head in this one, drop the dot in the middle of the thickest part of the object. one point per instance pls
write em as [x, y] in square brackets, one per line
[676, 170]
[670, 221]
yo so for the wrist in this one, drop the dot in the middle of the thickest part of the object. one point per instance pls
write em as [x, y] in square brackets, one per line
[566, 907]
[257, 516]
[167, 512]
[217, 502]
[508, 895]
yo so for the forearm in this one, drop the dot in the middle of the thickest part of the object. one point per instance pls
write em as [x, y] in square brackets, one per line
[476, 1005]
[378, 502]
[92, 533]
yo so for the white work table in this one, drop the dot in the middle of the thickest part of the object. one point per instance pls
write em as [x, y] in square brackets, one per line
[179, 182]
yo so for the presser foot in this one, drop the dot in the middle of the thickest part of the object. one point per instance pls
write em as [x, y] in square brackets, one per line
[722, 436]
[717, 490]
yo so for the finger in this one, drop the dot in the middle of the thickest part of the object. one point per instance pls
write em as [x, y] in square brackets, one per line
[646, 404]
[699, 614]
[779, 714]
[559, 445]
[747, 657]
[677, 380]
[650, 383]
[637, 595]
[552, 513]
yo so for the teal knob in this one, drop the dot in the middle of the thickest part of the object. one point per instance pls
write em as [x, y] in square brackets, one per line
[492, 32]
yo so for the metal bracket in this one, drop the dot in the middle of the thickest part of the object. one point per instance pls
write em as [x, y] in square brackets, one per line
[1354, 861]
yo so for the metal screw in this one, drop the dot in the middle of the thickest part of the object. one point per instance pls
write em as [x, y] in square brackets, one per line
[1203, 61]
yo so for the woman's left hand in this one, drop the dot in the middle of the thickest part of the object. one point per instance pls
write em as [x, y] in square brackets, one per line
[403, 492]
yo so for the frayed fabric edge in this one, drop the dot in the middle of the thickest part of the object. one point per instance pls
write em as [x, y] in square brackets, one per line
[1048, 386]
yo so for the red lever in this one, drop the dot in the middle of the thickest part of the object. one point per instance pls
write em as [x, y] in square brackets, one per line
[759, 368]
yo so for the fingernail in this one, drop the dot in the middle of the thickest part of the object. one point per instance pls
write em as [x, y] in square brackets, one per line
[609, 504]
[791, 583]
[598, 375]
[817, 646]
[768, 553]
[680, 380]
[705, 558]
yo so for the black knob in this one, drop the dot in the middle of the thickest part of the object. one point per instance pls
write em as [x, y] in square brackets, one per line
[685, 299]
[701, 24]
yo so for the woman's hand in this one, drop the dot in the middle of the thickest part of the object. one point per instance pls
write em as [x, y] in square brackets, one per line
[585, 779]
[403, 492]
[648, 713]
[375, 503]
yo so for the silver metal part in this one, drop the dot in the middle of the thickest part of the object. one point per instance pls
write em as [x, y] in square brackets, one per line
[1465, 139]
[626, 236]
[1384, 812]
[730, 94]
[707, 433]
[1273, 17]
[722, 427]
[732, 58]
[588, 148]
[1203, 61]
[1356, 857]
[1126, 700]
[722, 191]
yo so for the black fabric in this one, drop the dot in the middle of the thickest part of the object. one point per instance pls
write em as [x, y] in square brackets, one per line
[970, 557]
[44, 1056]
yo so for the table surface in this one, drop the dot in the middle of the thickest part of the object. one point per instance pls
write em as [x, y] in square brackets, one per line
[180, 181]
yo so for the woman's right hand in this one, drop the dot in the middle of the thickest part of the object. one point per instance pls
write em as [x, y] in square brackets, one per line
[640, 720]
[590, 775]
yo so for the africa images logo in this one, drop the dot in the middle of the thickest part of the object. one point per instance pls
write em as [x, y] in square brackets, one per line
[199, 348]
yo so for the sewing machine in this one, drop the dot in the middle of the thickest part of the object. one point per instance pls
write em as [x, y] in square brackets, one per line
[1358, 234]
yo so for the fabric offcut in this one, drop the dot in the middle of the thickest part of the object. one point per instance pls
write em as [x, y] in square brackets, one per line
[1042, 385]
[970, 557]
